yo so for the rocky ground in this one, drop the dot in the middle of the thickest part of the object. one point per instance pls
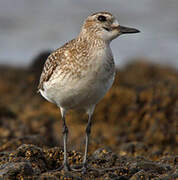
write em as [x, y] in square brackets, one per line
[134, 132]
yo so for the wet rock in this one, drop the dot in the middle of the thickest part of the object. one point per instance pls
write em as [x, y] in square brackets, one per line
[153, 167]
[104, 157]
[141, 175]
[31, 153]
[57, 175]
[170, 177]
[114, 176]
[171, 159]
[15, 170]
[44, 163]
[54, 157]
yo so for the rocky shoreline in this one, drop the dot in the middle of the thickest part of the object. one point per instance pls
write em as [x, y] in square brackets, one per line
[134, 133]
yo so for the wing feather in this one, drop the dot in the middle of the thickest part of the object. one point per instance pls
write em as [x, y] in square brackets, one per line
[49, 67]
[52, 62]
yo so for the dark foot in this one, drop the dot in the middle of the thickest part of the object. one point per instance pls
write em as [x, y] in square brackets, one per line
[104, 169]
[85, 168]
[64, 167]
[67, 167]
[81, 168]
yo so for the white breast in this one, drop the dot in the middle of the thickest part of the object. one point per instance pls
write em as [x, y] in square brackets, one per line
[85, 91]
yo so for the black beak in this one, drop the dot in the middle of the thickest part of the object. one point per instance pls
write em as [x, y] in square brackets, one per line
[127, 30]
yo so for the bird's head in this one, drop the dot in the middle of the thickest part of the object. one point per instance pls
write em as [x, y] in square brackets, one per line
[105, 26]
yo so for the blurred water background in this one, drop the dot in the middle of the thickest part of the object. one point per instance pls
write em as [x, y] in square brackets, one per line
[29, 27]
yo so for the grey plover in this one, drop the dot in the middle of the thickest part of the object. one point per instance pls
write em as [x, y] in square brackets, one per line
[78, 74]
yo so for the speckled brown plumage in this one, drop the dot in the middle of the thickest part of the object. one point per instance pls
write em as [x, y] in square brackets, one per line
[78, 75]
[70, 56]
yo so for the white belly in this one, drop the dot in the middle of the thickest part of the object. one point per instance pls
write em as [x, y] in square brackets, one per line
[79, 94]
[85, 91]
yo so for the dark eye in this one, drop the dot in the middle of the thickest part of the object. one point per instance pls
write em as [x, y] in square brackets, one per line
[102, 18]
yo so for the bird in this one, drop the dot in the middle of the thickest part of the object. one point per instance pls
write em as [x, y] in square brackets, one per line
[79, 74]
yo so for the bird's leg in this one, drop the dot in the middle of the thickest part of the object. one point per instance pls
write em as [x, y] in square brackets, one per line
[65, 165]
[88, 131]
[65, 135]
[84, 166]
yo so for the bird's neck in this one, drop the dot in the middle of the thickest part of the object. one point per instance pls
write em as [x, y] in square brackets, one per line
[92, 40]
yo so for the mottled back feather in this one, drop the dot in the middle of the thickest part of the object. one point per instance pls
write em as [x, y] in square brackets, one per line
[51, 63]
